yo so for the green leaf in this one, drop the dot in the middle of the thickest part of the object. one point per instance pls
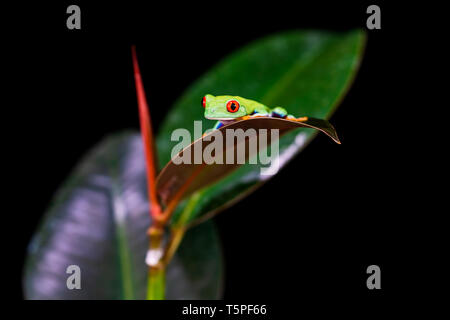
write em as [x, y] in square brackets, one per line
[306, 72]
[98, 221]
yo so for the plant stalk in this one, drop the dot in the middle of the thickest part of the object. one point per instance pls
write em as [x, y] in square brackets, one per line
[156, 274]
[157, 258]
[156, 285]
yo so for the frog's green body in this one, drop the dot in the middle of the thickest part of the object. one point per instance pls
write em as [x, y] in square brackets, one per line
[226, 109]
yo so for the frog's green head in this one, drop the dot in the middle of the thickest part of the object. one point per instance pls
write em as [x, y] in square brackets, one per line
[223, 107]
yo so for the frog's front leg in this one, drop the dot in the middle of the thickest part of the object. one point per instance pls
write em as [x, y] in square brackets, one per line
[218, 125]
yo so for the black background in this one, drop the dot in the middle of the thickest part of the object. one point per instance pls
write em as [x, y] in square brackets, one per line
[313, 229]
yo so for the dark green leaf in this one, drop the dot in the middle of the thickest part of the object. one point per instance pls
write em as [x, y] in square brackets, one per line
[306, 72]
[98, 221]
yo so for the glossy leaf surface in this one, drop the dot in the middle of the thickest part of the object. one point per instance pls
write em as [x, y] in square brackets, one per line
[98, 221]
[306, 72]
[183, 172]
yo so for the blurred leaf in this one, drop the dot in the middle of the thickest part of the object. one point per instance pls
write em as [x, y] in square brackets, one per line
[98, 221]
[306, 72]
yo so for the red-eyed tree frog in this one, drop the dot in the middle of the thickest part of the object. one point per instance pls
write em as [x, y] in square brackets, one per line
[226, 109]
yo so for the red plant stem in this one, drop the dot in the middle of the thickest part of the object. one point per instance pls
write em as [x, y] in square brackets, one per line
[147, 138]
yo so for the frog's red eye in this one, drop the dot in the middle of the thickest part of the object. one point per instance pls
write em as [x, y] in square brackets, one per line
[204, 102]
[232, 106]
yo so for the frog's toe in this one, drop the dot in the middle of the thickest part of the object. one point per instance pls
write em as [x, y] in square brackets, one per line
[292, 118]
